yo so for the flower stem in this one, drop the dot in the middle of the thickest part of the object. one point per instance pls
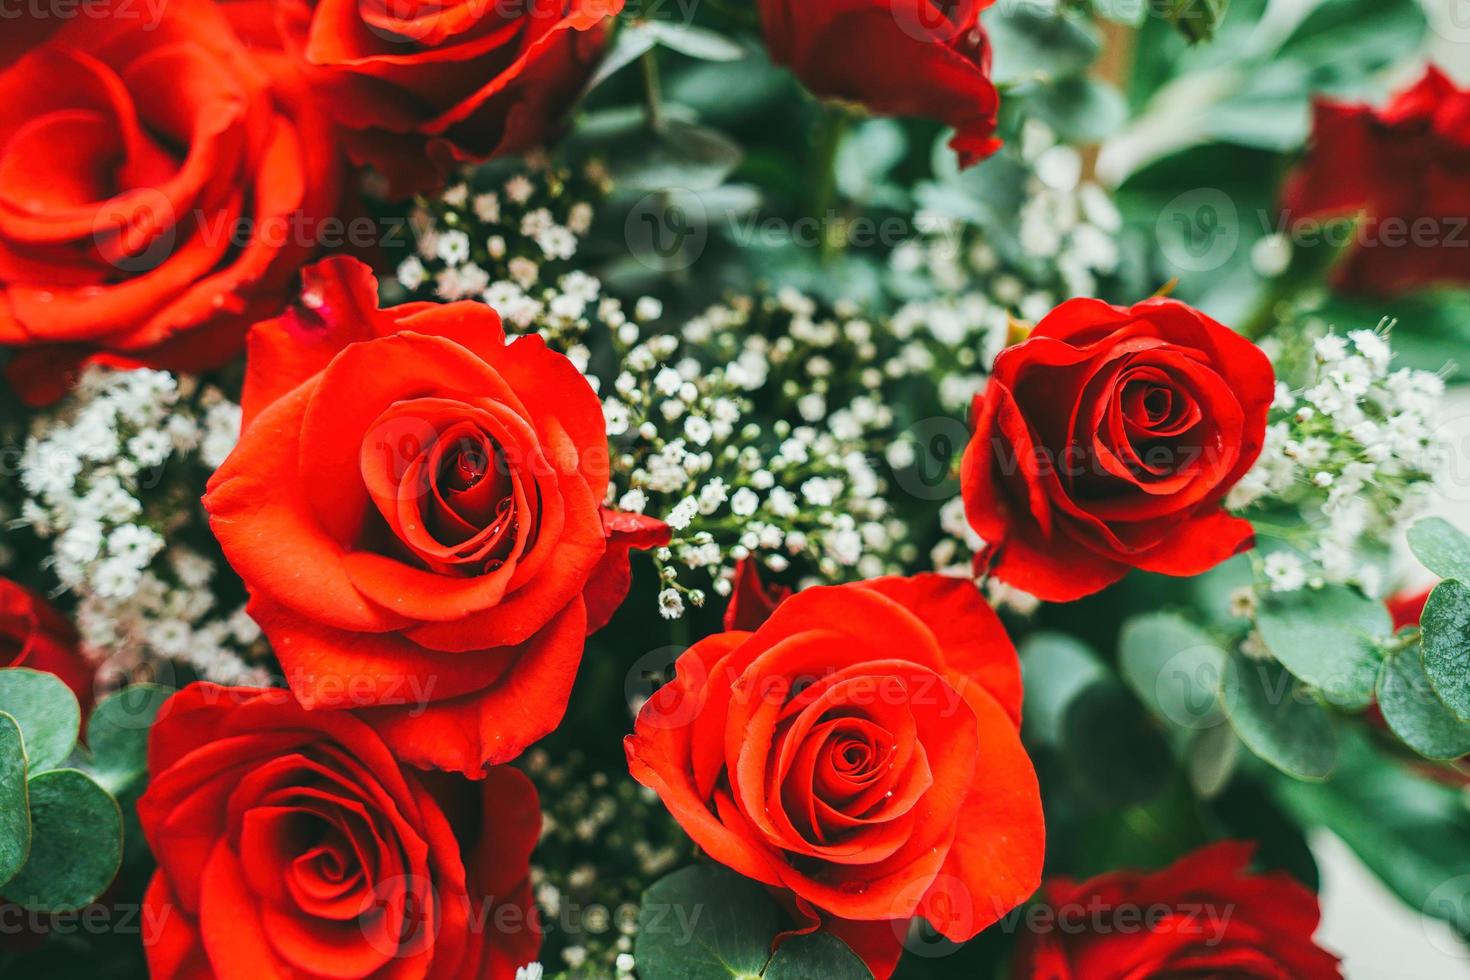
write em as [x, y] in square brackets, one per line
[652, 90]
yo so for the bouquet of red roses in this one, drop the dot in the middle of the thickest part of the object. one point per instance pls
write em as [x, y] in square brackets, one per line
[861, 489]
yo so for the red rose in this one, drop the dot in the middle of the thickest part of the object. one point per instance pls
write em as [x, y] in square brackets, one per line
[145, 216]
[420, 87]
[894, 57]
[1205, 915]
[858, 752]
[1406, 167]
[290, 843]
[34, 635]
[415, 507]
[1106, 440]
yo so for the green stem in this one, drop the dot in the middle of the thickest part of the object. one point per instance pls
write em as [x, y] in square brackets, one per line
[652, 91]
[823, 163]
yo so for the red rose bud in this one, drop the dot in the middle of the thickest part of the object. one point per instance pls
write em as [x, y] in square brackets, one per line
[36, 636]
[858, 753]
[896, 58]
[415, 508]
[1107, 441]
[1406, 169]
[1205, 915]
[146, 217]
[420, 88]
[292, 843]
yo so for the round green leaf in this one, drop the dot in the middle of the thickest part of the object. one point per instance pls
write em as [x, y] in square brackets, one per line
[1415, 712]
[15, 817]
[704, 923]
[76, 843]
[1116, 754]
[47, 712]
[819, 956]
[1174, 667]
[1277, 720]
[1329, 637]
[1446, 628]
[708, 923]
[1055, 668]
[117, 734]
[1441, 547]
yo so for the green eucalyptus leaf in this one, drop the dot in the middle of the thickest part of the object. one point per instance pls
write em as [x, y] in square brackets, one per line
[1174, 667]
[1277, 720]
[1441, 547]
[1055, 668]
[47, 712]
[117, 734]
[1116, 755]
[706, 922]
[632, 41]
[76, 843]
[820, 956]
[1030, 43]
[1445, 623]
[696, 42]
[15, 816]
[1210, 760]
[1415, 712]
[1329, 637]
[680, 154]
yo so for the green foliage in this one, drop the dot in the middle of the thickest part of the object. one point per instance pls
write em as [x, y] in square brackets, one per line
[61, 829]
[1409, 830]
[1174, 667]
[46, 711]
[1441, 547]
[1331, 638]
[708, 923]
[1415, 713]
[1446, 630]
[1277, 719]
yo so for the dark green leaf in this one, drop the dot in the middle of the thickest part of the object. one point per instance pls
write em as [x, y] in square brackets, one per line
[1277, 720]
[1055, 668]
[1415, 712]
[1174, 667]
[1446, 626]
[1442, 548]
[680, 155]
[47, 712]
[816, 957]
[1329, 637]
[1030, 43]
[1116, 755]
[76, 843]
[117, 734]
[706, 922]
[15, 818]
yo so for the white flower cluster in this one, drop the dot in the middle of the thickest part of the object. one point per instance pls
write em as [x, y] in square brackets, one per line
[1352, 451]
[508, 243]
[112, 480]
[731, 486]
[1064, 243]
